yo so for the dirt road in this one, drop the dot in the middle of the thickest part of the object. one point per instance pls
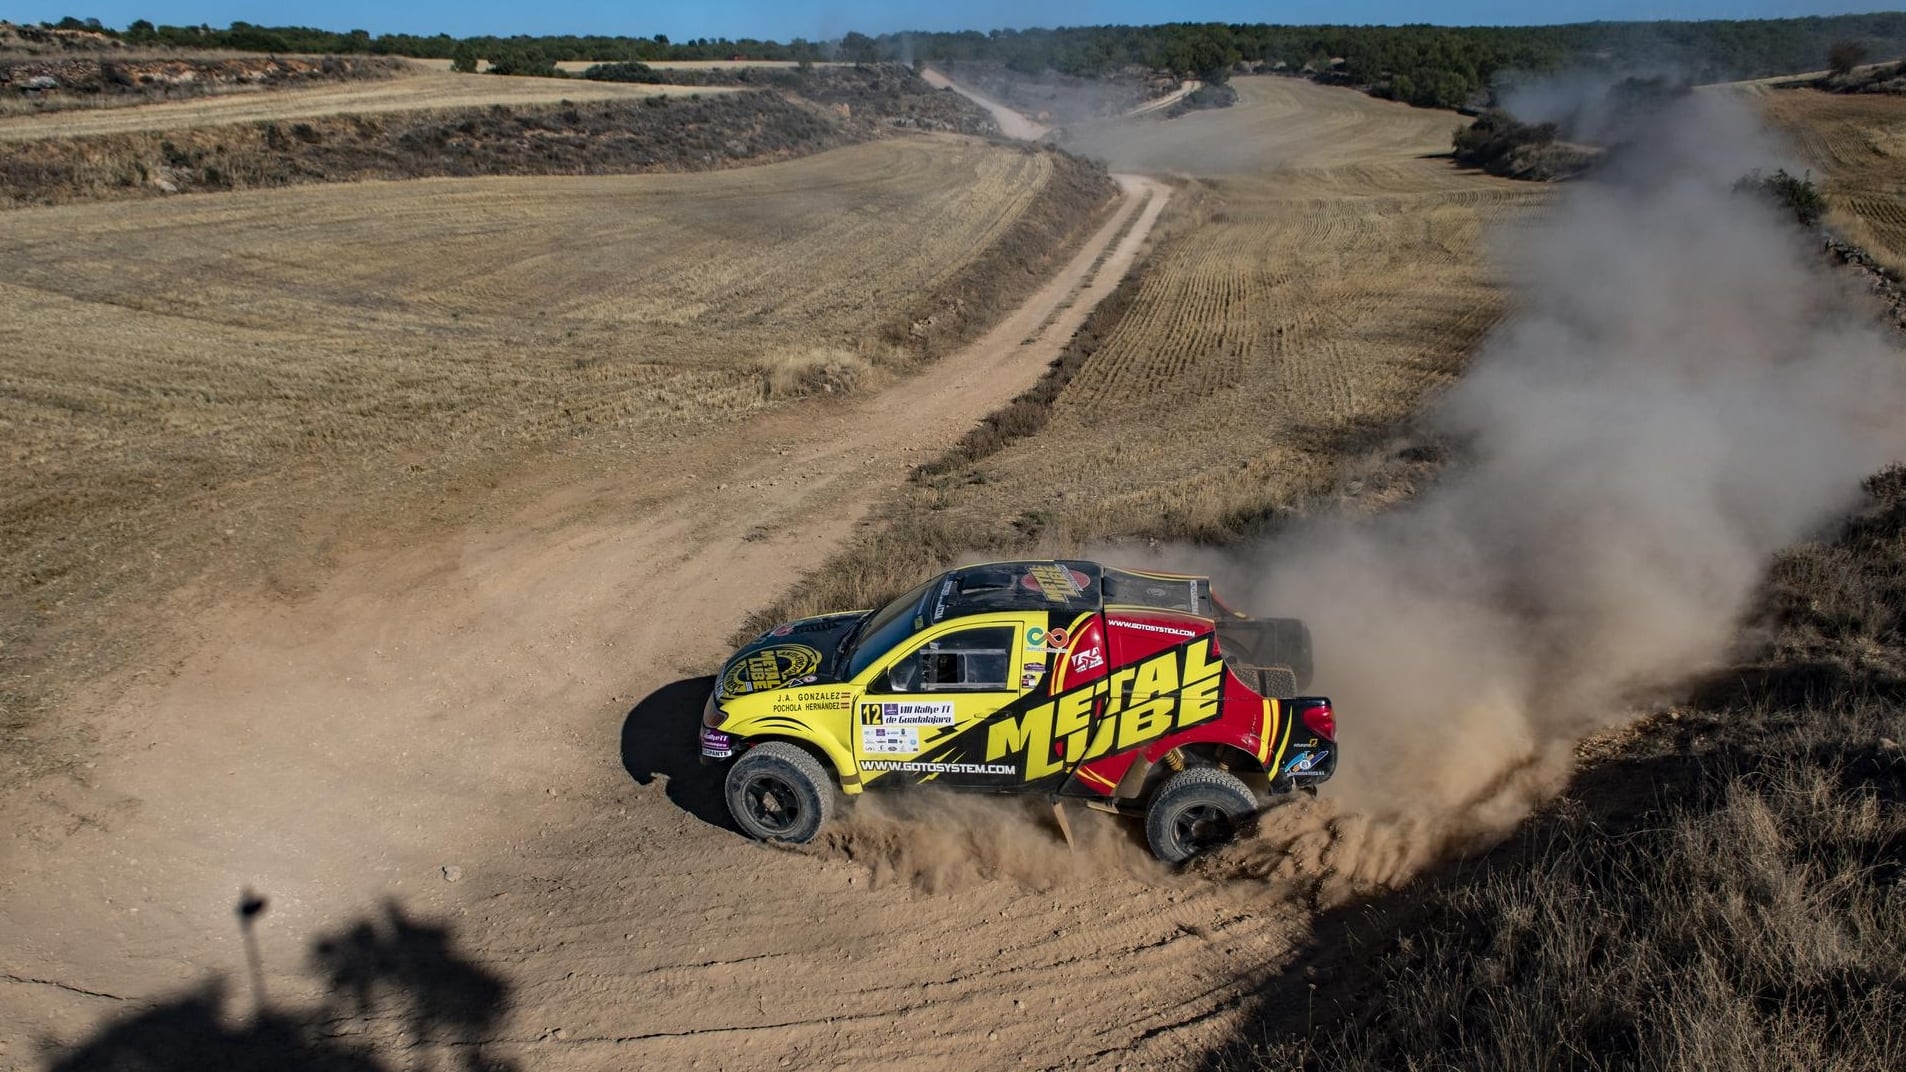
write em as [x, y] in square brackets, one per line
[474, 708]
[1011, 123]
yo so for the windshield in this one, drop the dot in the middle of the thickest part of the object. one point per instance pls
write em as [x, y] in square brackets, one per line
[889, 626]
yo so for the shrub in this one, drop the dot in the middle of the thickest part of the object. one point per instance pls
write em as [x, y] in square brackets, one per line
[1489, 142]
[624, 72]
[1797, 195]
[1845, 56]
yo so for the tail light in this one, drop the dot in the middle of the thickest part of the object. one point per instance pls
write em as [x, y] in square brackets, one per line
[1320, 718]
[712, 714]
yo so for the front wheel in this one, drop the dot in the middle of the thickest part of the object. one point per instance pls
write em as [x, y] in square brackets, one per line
[777, 792]
[1195, 810]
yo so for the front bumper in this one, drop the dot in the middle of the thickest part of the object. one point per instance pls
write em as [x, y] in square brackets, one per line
[718, 747]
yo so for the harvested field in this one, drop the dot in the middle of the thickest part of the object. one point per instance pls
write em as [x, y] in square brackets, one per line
[1858, 141]
[1279, 124]
[426, 90]
[179, 376]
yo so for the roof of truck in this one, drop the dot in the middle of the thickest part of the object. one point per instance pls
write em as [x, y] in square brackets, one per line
[1074, 585]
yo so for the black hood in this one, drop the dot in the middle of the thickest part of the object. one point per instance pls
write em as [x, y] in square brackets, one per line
[801, 652]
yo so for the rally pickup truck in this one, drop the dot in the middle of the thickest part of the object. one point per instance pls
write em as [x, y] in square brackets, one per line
[1132, 692]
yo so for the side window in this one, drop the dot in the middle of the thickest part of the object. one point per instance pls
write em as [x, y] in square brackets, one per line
[970, 660]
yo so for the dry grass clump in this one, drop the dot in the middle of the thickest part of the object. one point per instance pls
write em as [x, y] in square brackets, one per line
[813, 370]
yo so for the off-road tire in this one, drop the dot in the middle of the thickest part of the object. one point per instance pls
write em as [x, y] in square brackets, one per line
[1195, 810]
[777, 792]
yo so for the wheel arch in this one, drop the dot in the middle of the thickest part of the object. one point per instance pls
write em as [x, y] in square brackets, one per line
[1142, 778]
[830, 754]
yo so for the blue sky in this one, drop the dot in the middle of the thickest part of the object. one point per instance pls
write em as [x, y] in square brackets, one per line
[683, 19]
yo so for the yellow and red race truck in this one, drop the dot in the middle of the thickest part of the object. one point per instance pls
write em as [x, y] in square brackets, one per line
[1132, 692]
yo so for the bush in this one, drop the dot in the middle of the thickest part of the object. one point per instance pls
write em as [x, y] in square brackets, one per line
[1843, 57]
[624, 72]
[1209, 96]
[529, 62]
[1489, 142]
[1797, 195]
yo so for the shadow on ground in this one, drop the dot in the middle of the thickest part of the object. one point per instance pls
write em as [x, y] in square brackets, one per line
[393, 984]
[660, 739]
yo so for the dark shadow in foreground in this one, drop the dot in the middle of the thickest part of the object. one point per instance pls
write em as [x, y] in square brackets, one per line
[660, 738]
[392, 984]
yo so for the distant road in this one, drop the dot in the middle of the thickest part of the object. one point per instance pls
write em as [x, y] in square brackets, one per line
[1011, 123]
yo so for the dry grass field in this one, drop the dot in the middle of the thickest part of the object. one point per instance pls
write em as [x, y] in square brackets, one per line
[178, 377]
[425, 90]
[1858, 141]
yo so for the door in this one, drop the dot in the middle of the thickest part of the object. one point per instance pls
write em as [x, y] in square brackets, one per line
[918, 705]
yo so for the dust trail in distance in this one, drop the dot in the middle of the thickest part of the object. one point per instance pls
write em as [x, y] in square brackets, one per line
[1681, 392]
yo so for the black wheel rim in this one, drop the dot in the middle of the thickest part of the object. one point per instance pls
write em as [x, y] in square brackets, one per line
[772, 803]
[1201, 826]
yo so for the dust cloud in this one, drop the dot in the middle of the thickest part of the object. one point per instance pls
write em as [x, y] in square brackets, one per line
[1681, 392]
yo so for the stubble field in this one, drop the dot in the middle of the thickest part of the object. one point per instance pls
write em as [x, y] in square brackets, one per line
[1858, 141]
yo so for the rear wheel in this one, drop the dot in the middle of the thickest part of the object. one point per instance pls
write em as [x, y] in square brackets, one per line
[1195, 810]
[777, 792]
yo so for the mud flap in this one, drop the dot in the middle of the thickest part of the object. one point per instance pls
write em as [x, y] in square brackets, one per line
[1065, 824]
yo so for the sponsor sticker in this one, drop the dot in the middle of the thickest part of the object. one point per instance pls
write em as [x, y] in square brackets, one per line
[1306, 762]
[1055, 582]
[769, 668]
[914, 767]
[1088, 659]
[1162, 694]
[716, 744]
[1051, 640]
[1150, 628]
[889, 740]
[908, 713]
[781, 630]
